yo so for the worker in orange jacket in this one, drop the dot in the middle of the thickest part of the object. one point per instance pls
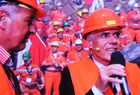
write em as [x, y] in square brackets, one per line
[95, 75]
[64, 43]
[58, 14]
[16, 18]
[39, 24]
[127, 35]
[29, 75]
[78, 53]
[82, 21]
[134, 20]
[72, 23]
[54, 64]
[84, 42]
[52, 31]
[122, 15]
[68, 33]
[46, 25]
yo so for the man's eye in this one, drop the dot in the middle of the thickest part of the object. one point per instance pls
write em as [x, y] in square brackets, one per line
[105, 35]
[117, 34]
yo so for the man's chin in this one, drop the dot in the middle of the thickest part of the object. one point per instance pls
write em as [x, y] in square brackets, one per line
[19, 47]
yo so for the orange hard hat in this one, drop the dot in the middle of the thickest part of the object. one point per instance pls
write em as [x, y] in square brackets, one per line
[33, 3]
[101, 19]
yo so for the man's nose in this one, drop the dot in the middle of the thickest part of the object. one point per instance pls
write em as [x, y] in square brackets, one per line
[113, 40]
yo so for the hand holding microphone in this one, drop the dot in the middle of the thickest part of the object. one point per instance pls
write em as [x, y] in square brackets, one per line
[116, 69]
[118, 58]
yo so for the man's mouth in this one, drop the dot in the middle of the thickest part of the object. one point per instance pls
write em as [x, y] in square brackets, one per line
[111, 49]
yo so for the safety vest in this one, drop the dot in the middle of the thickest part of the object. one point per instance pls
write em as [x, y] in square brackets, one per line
[89, 73]
[5, 86]
[58, 16]
[134, 19]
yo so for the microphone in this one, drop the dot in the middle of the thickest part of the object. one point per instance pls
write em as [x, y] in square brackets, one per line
[118, 58]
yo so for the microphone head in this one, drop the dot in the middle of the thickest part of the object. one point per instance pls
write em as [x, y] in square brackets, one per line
[117, 58]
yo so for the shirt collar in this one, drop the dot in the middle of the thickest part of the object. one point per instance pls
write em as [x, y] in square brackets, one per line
[4, 55]
[99, 65]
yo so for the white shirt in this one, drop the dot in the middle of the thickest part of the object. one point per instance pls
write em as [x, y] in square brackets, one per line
[94, 89]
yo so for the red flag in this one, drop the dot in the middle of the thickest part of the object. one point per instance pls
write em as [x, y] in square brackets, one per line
[38, 50]
[88, 2]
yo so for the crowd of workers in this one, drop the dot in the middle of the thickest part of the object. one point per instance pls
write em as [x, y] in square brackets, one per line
[62, 36]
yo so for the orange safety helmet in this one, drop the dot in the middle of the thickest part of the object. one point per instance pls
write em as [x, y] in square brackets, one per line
[33, 3]
[101, 19]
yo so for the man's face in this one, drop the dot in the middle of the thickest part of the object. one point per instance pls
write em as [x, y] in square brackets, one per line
[54, 49]
[107, 41]
[66, 28]
[71, 22]
[60, 35]
[27, 62]
[79, 47]
[85, 15]
[59, 8]
[17, 30]
[56, 27]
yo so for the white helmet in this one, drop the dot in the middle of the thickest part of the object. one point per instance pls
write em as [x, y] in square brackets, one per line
[58, 4]
[131, 2]
[136, 5]
[117, 8]
[55, 43]
[98, 6]
[78, 41]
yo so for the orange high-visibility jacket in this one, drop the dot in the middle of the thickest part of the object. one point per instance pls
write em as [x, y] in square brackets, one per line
[24, 74]
[123, 18]
[74, 56]
[58, 16]
[80, 27]
[51, 33]
[127, 36]
[64, 44]
[5, 86]
[138, 36]
[133, 19]
[60, 60]
[78, 78]
[39, 27]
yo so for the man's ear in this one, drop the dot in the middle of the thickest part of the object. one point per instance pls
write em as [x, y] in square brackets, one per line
[3, 19]
[89, 43]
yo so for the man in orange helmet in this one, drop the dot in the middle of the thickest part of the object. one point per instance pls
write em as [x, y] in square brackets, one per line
[58, 14]
[54, 64]
[15, 20]
[134, 21]
[126, 34]
[95, 75]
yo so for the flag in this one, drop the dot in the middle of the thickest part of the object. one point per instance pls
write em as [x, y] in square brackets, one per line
[88, 2]
[38, 50]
